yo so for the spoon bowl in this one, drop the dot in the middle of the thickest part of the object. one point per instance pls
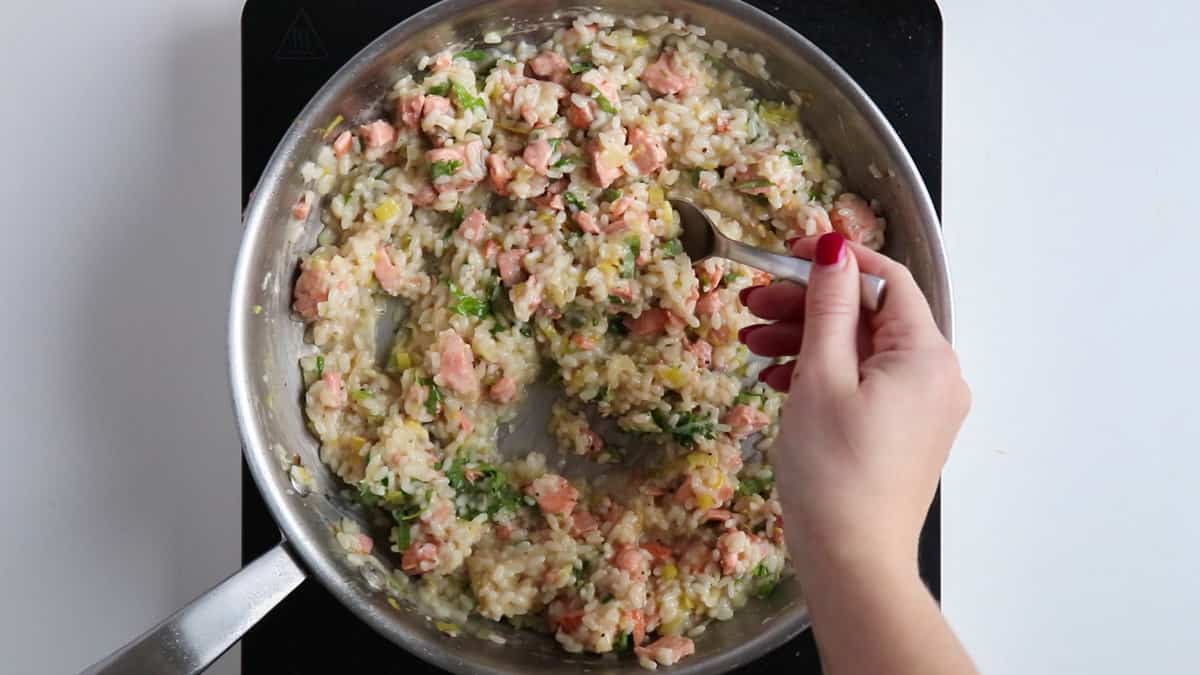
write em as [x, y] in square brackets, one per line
[701, 240]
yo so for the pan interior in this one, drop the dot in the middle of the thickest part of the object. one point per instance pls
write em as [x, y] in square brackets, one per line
[265, 342]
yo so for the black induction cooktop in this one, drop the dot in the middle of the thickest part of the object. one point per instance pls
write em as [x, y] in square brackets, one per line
[290, 47]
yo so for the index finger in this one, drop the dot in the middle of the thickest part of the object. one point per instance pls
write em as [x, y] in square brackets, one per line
[904, 305]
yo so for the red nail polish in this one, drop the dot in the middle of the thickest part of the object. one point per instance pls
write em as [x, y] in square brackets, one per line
[791, 242]
[744, 294]
[766, 372]
[745, 332]
[830, 248]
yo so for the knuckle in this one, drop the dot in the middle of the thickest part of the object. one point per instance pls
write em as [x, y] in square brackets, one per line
[965, 397]
[946, 357]
[822, 305]
[947, 376]
[890, 332]
[898, 272]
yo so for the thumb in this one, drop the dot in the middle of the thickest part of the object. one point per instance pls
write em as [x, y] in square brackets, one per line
[829, 350]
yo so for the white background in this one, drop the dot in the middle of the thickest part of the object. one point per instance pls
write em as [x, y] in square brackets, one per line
[1071, 543]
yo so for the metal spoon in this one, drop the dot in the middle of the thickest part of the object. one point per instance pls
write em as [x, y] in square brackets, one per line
[702, 240]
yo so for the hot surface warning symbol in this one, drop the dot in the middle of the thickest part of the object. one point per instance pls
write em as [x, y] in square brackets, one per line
[300, 41]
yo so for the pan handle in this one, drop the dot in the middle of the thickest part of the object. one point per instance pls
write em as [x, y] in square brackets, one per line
[191, 639]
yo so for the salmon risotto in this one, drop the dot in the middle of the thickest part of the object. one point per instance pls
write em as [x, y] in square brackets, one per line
[509, 210]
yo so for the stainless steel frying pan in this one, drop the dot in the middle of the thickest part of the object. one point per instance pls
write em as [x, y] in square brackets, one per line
[264, 346]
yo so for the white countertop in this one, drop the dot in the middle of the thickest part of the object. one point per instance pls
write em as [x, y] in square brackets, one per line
[1070, 536]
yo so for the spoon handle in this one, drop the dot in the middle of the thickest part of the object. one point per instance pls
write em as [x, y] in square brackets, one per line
[797, 270]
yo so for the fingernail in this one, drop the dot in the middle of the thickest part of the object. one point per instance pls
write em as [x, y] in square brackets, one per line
[830, 249]
[744, 294]
[745, 332]
[791, 242]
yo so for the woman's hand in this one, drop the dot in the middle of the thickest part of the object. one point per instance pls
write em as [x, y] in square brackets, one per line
[875, 402]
